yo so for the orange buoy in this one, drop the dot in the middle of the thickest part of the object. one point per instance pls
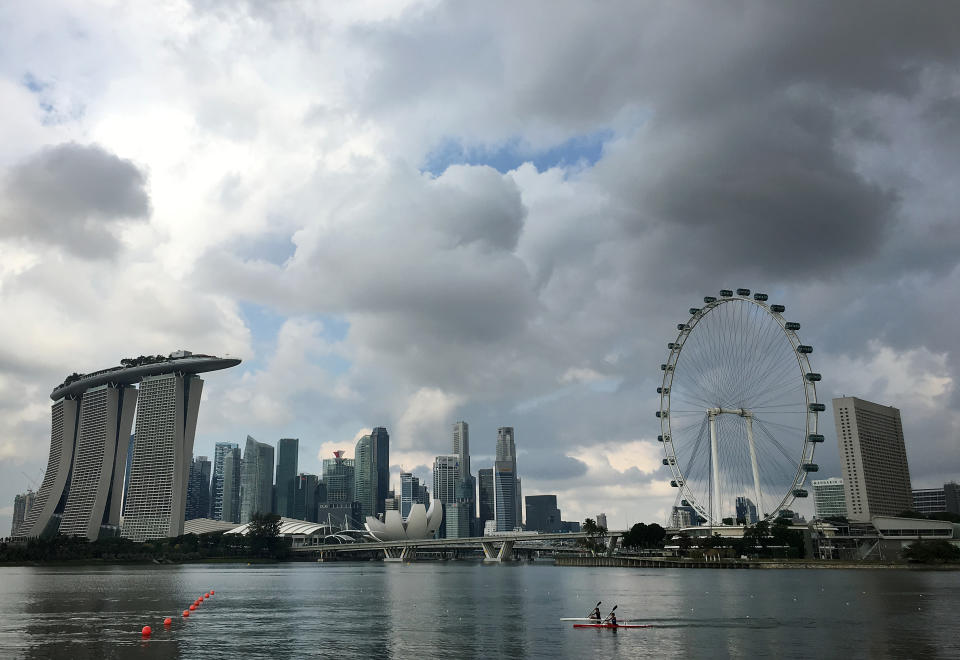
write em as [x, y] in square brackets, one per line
[167, 621]
[193, 607]
[212, 592]
[200, 599]
[186, 613]
[146, 631]
[206, 595]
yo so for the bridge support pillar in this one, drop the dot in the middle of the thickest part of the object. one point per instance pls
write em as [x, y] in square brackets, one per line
[612, 542]
[406, 553]
[493, 553]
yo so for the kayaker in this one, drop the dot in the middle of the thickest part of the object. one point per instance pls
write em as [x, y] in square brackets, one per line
[595, 614]
[611, 618]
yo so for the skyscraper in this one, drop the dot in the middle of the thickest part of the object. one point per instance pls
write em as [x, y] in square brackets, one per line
[338, 475]
[543, 514]
[198, 489]
[446, 479]
[232, 476]
[216, 479]
[746, 511]
[22, 504]
[504, 496]
[485, 497]
[381, 457]
[91, 418]
[372, 459]
[506, 484]
[409, 493]
[287, 450]
[828, 498]
[876, 476]
[305, 497]
[95, 491]
[256, 480]
[467, 488]
[166, 424]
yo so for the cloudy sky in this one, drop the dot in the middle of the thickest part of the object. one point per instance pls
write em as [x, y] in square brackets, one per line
[409, 213]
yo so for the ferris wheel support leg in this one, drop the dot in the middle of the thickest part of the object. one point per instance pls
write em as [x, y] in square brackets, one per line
[753, 464]
[715, 505]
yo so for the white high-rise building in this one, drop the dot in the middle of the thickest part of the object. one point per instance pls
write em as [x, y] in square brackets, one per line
[829, 499]
[99, 461]
[873, 455]
[166, 424]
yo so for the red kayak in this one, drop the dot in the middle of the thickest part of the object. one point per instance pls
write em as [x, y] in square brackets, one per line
[609, 625]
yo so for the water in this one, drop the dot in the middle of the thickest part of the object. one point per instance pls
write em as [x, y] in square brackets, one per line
[469, 610]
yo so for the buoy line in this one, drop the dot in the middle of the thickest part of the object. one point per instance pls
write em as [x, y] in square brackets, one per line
[146, 631]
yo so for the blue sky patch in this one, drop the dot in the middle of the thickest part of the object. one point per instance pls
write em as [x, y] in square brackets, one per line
[582, 149]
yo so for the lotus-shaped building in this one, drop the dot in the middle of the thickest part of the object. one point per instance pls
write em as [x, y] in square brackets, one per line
[420, 524]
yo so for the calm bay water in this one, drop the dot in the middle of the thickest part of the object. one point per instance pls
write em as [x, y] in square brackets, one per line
[469, 610]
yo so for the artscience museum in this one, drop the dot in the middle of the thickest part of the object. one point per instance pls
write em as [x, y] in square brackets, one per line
[420, 523]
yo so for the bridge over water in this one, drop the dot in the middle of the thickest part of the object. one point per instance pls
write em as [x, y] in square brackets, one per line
[495, 548]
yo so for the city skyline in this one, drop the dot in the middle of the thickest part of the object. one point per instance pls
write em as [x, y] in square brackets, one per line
[407, 229]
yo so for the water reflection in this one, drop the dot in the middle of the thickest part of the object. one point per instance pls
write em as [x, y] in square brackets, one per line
[464, 609]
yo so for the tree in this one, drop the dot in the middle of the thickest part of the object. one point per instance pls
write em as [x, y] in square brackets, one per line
[595, 533]
[263, 535]
[642, 535]
[935, 551]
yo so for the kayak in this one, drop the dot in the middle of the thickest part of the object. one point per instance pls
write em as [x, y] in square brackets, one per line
[609, 625]
[584, 618]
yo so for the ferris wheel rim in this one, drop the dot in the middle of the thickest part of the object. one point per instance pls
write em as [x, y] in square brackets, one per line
[812, 406]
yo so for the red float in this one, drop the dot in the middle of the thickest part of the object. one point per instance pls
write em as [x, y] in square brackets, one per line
[206, 595]
[186, 613]
[167, 621]
[212, 592]
[146, 631]
[193, 607]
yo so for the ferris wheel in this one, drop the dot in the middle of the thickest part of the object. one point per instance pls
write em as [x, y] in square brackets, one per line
[738, 410]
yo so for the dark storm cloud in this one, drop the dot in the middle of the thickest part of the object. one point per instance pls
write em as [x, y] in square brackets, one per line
[69, 195]
[548, 466]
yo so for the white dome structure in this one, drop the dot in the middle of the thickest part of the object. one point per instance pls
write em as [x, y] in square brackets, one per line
[420, 524]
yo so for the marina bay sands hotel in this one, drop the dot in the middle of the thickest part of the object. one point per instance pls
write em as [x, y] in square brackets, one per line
[91, 419]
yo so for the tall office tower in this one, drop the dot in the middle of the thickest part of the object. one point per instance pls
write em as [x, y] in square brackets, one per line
[287, 450]
[305, 497]
[216, 479]
[321, 495]
[543, 514]
[232, 477]
[366, 477]
[876, 476]
[126, 474]
[485, 497]
[83, 488]
[409, 493]
[381, 458]
[828, 498]
[256, 480]
[504, 496]
[467, 490]
[602, 520]
[745, 511]
[507, 452]
[446, 478]
[21, 509]
[166, 424]
[339, 475]
[198, 489]
[94, 494]
[424, 496]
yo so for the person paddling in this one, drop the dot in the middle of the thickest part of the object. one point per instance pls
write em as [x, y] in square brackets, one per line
[595, 614]
[612, 617]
